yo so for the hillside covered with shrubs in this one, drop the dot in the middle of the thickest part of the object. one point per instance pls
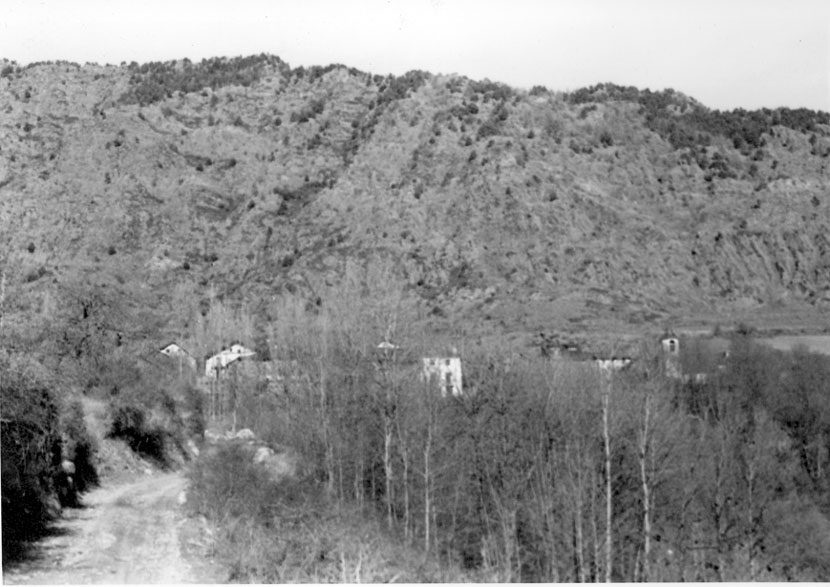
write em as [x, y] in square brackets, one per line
[509, 210]
[309, 213]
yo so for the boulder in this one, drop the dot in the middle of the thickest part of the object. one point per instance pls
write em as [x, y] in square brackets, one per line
[262, 454]
[245, 434]
[192, 448]
[68, 467]
[53, 507]
[211, 436]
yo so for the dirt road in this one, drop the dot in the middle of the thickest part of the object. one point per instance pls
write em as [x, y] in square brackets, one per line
[129, 533]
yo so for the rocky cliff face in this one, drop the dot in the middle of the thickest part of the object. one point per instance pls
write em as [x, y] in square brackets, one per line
[514, 211]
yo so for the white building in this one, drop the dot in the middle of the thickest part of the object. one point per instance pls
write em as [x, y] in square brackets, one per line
[220, 361]
[671, 355]
[447, 371]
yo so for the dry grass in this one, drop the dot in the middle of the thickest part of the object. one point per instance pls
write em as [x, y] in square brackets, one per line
[815, 344]
[326, 544]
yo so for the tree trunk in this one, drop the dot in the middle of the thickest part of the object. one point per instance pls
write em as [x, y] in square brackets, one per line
[595, 572]
[387, 468]
[358, 479]
[608, 501]
[750, 488]
[324, 419]
[644, 439]
[580, 541]
[427, 504]
[406, 514]
[580, 516]
[404, 450]
[428, 481]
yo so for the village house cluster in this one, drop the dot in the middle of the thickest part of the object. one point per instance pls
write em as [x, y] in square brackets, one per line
[444, 373]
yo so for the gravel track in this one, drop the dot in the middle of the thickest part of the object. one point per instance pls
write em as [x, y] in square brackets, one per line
[127, 533]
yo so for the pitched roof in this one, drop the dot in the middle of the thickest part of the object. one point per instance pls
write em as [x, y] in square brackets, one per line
[173, 347]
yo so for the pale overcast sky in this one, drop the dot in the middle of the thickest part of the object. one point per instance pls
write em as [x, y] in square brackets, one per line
[725, 53]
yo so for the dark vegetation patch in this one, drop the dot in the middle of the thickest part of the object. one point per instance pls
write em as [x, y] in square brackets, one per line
[155, 81]
[400, 87]
[129, 422]
[198, 162]
[688, 124]
[31, 452]
[37, 274]
[309, 112]
[302, 194]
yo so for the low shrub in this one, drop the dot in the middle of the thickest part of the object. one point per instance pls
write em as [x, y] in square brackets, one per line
[79, 446]
[226, 483]
[147, 416]
[130, 423]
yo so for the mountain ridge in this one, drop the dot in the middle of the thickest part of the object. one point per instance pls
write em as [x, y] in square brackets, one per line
[509, 211]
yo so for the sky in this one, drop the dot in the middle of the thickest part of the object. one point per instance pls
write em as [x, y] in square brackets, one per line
[724, 53]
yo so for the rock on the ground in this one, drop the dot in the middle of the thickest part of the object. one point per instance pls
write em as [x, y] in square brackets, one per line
[68, 467]
[192, 448]
[262, 454]
[211, 436]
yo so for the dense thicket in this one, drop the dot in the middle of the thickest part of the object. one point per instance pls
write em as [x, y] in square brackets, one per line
[31, 449]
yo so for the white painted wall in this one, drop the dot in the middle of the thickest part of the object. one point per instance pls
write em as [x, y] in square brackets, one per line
[446, 371]
[221, 360]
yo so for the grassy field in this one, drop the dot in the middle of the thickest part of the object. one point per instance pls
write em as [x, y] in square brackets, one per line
[815, 343]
